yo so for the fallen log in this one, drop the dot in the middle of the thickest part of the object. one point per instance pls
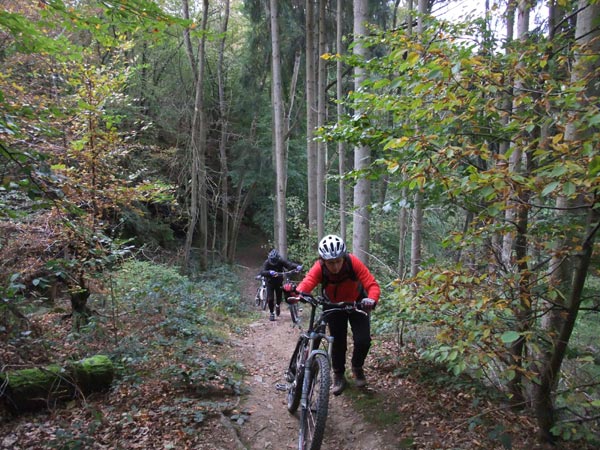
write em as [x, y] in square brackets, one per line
[42, 387]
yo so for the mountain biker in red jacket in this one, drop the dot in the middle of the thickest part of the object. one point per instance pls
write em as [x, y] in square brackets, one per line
[274, 264]
[344, 278]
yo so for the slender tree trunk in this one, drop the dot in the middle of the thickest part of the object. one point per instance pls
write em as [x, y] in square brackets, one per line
[187, 40]
[279, 132]
[311, 117]
[362, 153]
[417, 213]
[224, 178]
[514, 248]
[516, 154]
[569, 268]
[506, 108]
[321, 113]
[340, 111]
[292, 96]
[402, 233]
[403, 214]
[417, 235]
[198, 203]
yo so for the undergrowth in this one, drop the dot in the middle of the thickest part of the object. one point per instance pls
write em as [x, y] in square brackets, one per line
[163, 332]
[158, 313]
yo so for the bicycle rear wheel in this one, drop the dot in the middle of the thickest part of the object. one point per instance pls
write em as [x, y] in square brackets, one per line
[313, 417]
[257, 299]
[295, 375]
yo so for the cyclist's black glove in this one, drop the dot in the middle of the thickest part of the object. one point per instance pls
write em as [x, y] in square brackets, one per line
[368, 304]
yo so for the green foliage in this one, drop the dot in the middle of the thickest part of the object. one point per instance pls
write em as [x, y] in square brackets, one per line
[73, 115]
[178, 317]
[33, 39]
[434, 118]
[302, 246]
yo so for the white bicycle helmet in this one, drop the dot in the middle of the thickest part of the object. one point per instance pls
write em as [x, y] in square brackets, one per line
[331, 247]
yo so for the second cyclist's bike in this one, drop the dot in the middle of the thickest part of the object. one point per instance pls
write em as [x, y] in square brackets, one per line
[261, 293]
[294, 309]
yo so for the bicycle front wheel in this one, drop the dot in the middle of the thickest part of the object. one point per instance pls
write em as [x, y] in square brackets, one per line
[294, 312]
[263, 298]
[257, 298]
[295, 375]
[314, 416]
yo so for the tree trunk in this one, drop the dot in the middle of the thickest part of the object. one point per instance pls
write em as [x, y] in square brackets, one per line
[34, 389]
[416, 234]
[506, 107]
[362, 153]
[514, 251]
[417, 213]
[198, 202]
[187, 39]
[523, 10]
[340, 111]
[321, 118]
[224, 178]
[278, 133]
[403, 215]
[311, 118]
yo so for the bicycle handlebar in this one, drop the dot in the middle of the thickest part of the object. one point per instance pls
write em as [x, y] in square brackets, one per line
[288, 272]
[321, 301]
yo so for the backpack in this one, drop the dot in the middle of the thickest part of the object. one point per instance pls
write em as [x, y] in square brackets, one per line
[350, 275]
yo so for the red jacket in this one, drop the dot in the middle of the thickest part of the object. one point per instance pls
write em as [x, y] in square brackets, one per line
[341, 287]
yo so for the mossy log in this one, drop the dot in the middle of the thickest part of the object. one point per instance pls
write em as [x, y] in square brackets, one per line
[33, 389]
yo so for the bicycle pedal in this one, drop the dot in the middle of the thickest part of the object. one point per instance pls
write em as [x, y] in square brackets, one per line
[281, 386]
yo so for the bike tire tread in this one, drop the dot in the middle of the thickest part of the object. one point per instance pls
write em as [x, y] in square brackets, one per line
[321, 363]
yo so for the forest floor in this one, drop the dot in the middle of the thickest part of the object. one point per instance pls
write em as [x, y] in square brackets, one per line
[406, 405]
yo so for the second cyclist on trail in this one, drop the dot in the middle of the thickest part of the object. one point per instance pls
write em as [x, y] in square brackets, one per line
[271, 270]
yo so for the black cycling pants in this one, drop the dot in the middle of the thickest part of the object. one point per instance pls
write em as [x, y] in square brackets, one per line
[361, 334]
[274, 292]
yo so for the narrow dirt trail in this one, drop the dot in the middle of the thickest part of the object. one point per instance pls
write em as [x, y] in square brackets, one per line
[264, 349]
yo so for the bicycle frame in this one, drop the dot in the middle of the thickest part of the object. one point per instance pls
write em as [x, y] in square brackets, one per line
[316, 325]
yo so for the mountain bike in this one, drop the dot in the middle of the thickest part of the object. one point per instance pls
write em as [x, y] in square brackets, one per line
[308, 374]
[261, 293]
[294, 309]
